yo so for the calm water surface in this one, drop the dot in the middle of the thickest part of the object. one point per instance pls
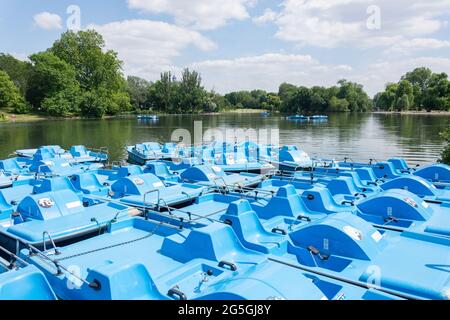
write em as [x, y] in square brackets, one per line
[357, 136]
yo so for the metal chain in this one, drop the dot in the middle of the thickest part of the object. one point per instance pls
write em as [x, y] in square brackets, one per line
[113, 245]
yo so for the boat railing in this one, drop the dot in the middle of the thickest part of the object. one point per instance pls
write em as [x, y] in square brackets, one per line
[13, 259]
[46, 233]
[144, 203]
[33, 251]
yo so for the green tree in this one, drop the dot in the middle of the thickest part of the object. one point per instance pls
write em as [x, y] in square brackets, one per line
[50, 76]
[162, 94]
[95, 67]
[19, 71]
[138, 89]
[10, 97]
[191, 93]
[404, 95]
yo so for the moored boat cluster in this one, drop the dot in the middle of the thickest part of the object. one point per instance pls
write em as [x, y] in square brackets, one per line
[221, 221]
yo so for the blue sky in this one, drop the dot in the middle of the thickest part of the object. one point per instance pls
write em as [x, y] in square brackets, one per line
[246, 44]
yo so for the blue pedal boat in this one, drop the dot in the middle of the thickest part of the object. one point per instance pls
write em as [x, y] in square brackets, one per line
[22, 281]
[238, 162]
[298, 117]
[206, 263]
[143, 152]
[55, 150]
[56, 216]
[214, 176]
[439, 174]
[342, 246]
[148, 191]
[14, 167]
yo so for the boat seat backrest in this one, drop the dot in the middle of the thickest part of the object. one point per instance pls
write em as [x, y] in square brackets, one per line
[342, 185]
[151, 146]
[396, 203]
[86, 181]
[343, 234]
[437, 172]
[50, 205]
[137, 185]
[385, 169]
[53, 184]
[79, 151]
[10, 165]
[159, 169]
[399, 163]
[130, 170]
[244, 220]
[320, 199]
[215, 242]
[411, 183]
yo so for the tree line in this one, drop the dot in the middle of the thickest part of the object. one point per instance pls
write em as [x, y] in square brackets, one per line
[78, 76]
[420, 89]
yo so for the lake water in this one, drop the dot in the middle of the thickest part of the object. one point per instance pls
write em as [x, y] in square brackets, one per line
[357, 136]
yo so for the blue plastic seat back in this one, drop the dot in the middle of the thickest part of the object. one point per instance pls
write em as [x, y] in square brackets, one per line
[53, 184]
[435, 173]
[296, 156]
[151, 146]
[289, 148]
[87, 182]
[366, 174]
[78, 151]
[342, 185]
[385, 170]
[214, 242]
[343, 234]
[137, 185]
[244, 220]
[202, 173]
[396, 203]
[399, 163]
[321, 200]
[414, 184]
[10, 165]
[43, 154]
[50, 205]
[159, 169]
[130, 170]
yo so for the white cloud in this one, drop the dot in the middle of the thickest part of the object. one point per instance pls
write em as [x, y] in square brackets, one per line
[334, 23]
[198, 14]
[377, 74]
[268, 16]
[267, 72]
[48, 21]
[417, 44]
[147, 47]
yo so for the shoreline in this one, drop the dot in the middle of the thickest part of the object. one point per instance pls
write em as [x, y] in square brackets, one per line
[11, 118]
[419, 113]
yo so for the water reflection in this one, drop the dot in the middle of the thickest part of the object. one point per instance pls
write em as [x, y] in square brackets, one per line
[358, 136]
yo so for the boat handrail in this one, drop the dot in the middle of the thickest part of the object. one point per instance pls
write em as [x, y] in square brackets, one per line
[57, 252]
[13, 256]
[144, 207]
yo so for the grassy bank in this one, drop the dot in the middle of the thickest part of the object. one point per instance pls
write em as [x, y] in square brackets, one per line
[411, 112]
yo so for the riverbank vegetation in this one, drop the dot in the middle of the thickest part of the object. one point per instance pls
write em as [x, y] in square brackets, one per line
[420, 89]
[77, 76]
[445, 157]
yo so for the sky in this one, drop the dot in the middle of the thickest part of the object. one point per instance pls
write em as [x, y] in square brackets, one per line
[247, 44]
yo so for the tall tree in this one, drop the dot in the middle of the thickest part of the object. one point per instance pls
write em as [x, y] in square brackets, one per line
[50, 77]
[138, 89]
[10, 97]
[17, 70]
